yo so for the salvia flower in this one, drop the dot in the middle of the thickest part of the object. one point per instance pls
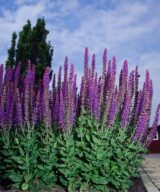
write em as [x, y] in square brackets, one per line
[154, 127]
[22, 102]
[62, 114]
[46, 108]
[113, 108]
[19, 114]
[93, 65]
[141, 127]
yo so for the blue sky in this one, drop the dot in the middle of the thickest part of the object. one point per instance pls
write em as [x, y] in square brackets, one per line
[129, 29]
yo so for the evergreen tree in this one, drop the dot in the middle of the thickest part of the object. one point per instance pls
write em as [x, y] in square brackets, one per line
[32, 45]
[23, 51]
[42, 52]
[11, 61]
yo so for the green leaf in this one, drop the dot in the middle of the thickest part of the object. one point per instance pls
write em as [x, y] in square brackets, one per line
[27, 177]
[101, 188]
[95, 139]
[41, 167]
[23, 167]
[21, 151]
[15, 178]
[5, 152]
[88, 137]
[100, 154]
[99, 179]
[16, 140]
[84, 187]
[24, 186]
[18, 159]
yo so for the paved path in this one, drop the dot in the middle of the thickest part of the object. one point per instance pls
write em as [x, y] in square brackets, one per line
[150, 172]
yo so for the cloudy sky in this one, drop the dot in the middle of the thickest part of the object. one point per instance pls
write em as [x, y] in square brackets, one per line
[129, 29]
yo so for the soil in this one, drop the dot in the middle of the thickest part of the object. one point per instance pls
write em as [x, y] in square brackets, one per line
[138, 186]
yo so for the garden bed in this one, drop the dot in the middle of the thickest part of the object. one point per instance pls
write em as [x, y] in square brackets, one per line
[138, 186]
[91, 140]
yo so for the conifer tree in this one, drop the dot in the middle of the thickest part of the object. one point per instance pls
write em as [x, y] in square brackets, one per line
[31, 45]
[11, 61]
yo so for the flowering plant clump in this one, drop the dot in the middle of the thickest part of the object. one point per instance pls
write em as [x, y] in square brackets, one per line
[54, 135]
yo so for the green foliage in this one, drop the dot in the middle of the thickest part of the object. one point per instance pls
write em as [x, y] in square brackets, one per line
[68, 164]
[28, 159]
[47, 160]
[31, 45]
[20, 157]
[11, 61]
[96, 159]
[86, 158]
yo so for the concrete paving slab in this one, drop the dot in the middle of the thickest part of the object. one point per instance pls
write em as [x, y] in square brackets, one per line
[150, 172]
[150, 186]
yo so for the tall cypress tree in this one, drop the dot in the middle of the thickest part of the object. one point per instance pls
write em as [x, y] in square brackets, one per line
[32, 45]
[11, 61]
[42, 51]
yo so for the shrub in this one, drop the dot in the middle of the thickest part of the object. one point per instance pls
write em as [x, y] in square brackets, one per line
[91, 140]
[100, 159]
[87, 158]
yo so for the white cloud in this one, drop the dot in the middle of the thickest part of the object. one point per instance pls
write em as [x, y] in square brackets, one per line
[115, 29]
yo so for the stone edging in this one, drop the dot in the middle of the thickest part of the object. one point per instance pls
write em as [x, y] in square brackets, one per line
[150, 186]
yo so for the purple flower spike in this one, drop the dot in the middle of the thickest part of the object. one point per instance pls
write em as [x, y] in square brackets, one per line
[55, 109]
[113, 71]
[138, 107]
[62, 114]
[1, 79]
[71, 98]
[113, 109]
[86, 73]
[9, 106]
[93, 65]
[108, 80]
[75, 92]
[123, 83]
[86, 63]
[65, 81]
[141, 127]
[96, 108]
[46, 108]
[53, 90]
[1, 116]
[103, 77]
[59, 80]
[154, 127]
[104, 62]
[26, 100]
[126, 110]
[90, 92]
[150, 94]
[36, 110]
[19, 114]
[17, 74]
